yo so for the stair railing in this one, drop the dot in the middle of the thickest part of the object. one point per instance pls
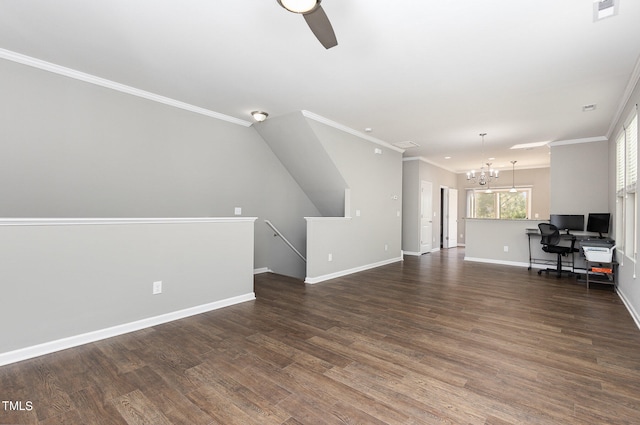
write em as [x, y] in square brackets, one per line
[285, 240]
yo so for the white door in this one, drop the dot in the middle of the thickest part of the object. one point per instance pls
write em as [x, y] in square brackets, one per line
[426, 216]
[452, 219]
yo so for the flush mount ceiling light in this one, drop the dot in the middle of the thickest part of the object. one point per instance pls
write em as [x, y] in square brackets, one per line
[259, 115]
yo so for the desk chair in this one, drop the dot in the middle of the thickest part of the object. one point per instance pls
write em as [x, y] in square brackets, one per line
[549, 240]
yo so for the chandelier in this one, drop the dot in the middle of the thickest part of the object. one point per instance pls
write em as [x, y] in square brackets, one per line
[486, 175]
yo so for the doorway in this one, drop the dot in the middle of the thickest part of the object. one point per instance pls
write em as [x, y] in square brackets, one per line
[426, 216]
[448, 217]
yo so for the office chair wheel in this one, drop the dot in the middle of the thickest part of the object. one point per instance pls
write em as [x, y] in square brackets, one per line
[539, 272]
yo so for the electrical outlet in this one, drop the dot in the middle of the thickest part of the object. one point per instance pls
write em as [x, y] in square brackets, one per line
[330, 257]
[237, 210]
[386, 247]
[506, 248]
[157, 287]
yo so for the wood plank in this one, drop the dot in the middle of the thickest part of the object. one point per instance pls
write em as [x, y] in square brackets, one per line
[136, 409]
[433, 339]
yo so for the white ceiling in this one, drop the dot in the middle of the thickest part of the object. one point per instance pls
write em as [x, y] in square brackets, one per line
[434, 72]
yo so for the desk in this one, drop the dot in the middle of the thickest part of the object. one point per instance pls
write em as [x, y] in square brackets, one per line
[573, 237]
[581, 237]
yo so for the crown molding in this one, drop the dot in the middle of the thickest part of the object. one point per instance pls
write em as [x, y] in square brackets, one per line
[631, 85]
[423, 159]
[349, 130]
[102, 82]
[578, 141]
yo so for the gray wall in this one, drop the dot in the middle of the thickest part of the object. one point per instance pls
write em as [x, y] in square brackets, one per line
[72, 149]
[504, 242]
[79, 281]
[580, 178]
[298, 148]
[414, 170]
[375, 183]
[628, 286]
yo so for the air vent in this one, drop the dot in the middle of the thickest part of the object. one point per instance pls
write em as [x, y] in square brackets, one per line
[604, 9]
[406, 144]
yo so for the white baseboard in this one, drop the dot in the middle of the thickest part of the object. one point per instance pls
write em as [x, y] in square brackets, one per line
[414, 253]
[634, 314]
[76, 340]
[262, 270]
[502, 262]
[417, 254]
[341, 273]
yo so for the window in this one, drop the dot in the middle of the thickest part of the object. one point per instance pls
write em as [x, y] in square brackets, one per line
[620, 186]
[626, 182]
[499, 203]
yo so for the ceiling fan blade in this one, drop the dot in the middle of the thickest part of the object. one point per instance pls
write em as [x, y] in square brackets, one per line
[321, 27]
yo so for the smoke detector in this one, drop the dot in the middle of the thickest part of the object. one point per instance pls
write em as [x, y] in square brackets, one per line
[588, 108]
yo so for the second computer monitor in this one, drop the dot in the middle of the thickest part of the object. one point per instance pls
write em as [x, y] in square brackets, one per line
[568, 222]
[598, 223]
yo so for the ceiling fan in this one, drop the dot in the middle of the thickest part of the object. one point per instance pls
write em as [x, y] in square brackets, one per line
[316, 19]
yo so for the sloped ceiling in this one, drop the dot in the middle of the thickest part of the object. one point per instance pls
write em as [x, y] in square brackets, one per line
[436, 73]
[299, 150]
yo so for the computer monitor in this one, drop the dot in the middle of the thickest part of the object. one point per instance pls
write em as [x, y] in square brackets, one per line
[598, 223]
[567, 222]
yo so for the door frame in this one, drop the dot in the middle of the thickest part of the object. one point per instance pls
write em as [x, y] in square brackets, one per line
[426, 217]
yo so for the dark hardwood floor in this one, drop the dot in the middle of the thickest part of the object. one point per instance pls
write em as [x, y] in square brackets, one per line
[430, 340]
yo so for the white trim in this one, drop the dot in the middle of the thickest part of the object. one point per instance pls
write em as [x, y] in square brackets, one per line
[262, 270]
[341, 273]
[435, 249]
[423, 159]
[634, 314]
[413, 253]
[578, 141]
[108, 221]
[76, 340]
[323, 120]
[633, 82]
[501, 262]
[328, 218]
[102, 82]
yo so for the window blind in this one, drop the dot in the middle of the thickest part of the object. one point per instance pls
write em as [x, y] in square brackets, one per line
[631, 139]
[620, 164]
